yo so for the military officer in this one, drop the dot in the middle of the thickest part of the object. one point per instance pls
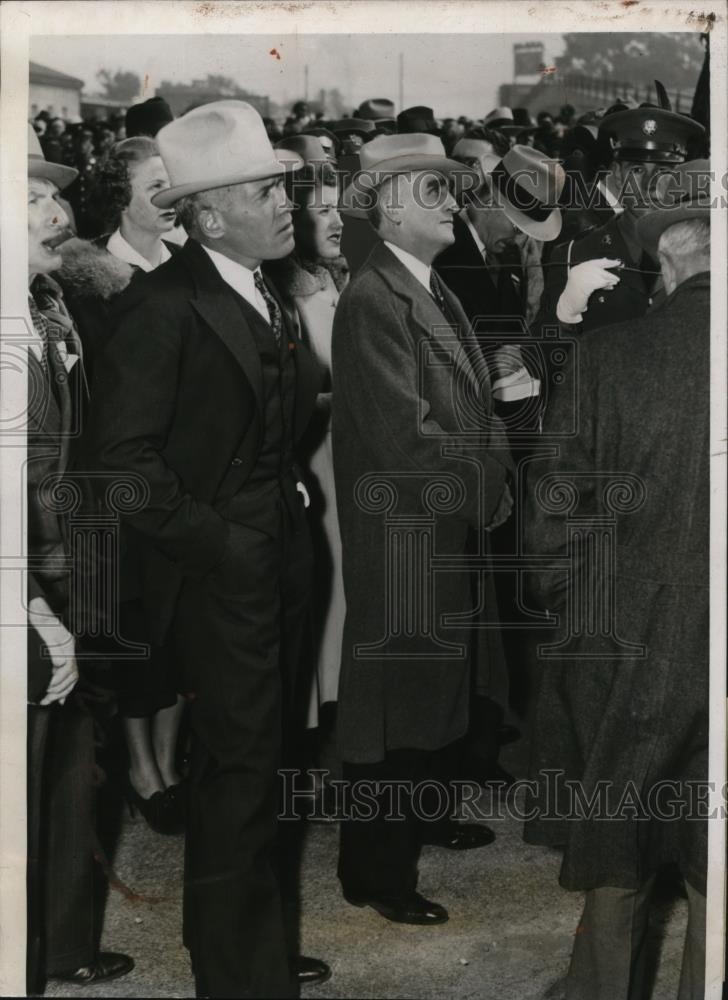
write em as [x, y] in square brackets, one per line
[603, 276]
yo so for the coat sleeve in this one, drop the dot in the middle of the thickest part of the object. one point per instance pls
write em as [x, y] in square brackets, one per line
[376, 378]
[133, 407]
[573, 463]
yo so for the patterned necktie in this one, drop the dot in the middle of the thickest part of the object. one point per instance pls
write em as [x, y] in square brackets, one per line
[437, 294]
[42, 328]
[274, 312]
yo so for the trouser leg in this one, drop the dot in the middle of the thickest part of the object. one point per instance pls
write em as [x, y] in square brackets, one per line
[378, 853]
[607, 960]
[228, 631]
[69, 895]
[692, 976]
[38, 725]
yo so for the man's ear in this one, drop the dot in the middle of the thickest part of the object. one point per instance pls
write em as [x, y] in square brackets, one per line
[211, 223]
[669, 275]
[389, 203]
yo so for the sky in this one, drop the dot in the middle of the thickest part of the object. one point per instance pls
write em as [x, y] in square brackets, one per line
[453, 74]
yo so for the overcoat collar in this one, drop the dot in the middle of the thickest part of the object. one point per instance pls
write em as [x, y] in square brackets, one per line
[427, 315]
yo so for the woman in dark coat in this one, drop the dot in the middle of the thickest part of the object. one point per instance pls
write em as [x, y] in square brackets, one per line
[93, 275]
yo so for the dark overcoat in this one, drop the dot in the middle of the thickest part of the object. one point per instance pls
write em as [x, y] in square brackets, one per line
[192, 431]
[643, 398]
[419, 462]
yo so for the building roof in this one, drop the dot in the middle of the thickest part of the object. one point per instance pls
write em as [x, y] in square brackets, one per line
[53, 78]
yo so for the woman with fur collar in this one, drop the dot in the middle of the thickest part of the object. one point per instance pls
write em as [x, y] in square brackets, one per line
[93, 275]
[95, 272]
[310, 281]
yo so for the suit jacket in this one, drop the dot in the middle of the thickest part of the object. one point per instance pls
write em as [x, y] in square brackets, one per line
[462, 268]
[411, 401]
[178, 404]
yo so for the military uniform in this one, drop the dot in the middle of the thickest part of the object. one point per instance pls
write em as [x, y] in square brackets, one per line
[647, 134]
[630, 299]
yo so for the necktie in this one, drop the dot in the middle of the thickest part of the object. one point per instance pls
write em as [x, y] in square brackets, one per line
[274, 312]
[42, 328]
[436, 292]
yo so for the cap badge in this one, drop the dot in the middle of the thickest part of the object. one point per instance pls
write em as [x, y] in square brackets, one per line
[649, 127]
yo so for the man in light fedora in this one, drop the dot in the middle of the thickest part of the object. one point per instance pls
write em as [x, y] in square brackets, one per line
[404, 361]
[203, 392]
[633, 723]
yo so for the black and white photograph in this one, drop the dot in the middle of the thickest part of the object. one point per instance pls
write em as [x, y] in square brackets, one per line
[363, 499]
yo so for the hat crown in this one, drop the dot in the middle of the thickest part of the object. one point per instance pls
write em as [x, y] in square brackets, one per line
[217, 144]
[308, 147]
[387, 147]
[538, 174]
[498, 114]
[376, 108]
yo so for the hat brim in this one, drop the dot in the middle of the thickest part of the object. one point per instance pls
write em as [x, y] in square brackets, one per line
[517, 129]
[651, 226]
[368, 180]
[284, 161]
[546, 231]
[61, 176]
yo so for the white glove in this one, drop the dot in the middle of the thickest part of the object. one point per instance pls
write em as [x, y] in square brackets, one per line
[584, 279]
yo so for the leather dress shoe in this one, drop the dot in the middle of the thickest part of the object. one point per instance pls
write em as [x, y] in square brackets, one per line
[108, 965]
[412, 909]
[310, 970]
[463, 837]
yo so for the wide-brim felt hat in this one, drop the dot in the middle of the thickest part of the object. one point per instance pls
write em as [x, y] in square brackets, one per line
[38, 166]
[216, 145]
[499, 118]
[527, 185]
[686, 195]
[388, 155]
[308, 147]
[376, 109]
[417, 119]
[364, 127]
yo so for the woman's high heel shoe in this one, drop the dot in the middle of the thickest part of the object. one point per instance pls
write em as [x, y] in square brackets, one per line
[157, 810]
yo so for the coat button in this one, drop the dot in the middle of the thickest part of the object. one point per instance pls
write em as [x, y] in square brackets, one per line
[600, 298]
[237, 461]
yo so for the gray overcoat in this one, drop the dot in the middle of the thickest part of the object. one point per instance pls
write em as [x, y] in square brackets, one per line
[420, 464]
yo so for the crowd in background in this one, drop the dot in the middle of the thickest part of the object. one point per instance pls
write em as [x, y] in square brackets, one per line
[128, 200]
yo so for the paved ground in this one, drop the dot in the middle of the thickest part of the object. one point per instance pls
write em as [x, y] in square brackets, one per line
[508, 938]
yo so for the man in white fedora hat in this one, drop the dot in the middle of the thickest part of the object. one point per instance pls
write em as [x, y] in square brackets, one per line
[203, 391]
[404, 362]
[61, 941]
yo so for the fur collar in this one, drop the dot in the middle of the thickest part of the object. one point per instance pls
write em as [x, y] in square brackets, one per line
[90, 271]
[295, 277]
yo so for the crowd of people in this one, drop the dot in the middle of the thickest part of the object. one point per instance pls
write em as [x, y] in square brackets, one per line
[328, 379]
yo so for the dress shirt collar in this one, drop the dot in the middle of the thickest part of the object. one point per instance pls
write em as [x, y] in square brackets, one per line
[240, 278]
[415, 266]
[119, 247]
[474, 233]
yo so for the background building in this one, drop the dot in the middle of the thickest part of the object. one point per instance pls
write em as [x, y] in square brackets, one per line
[55, 92]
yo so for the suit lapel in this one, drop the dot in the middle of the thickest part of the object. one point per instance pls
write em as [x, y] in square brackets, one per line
[428, 316]
[216, 304]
